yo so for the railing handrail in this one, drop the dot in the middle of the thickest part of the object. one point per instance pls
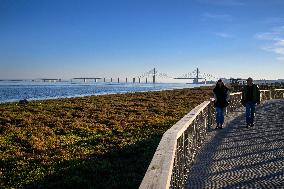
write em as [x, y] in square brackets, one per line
[159, 172]
[183, 123]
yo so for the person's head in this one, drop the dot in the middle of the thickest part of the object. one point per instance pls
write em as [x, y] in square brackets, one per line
[220, 83]
[249, 81]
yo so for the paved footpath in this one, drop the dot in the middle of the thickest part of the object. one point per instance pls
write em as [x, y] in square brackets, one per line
[240, 157]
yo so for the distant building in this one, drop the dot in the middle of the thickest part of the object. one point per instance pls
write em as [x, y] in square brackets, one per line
[264, 81]
[237, 81]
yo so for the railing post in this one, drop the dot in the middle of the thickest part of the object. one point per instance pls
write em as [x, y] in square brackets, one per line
[209, 117]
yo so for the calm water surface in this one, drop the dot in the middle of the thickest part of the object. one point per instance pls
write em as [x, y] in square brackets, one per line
[14, 91]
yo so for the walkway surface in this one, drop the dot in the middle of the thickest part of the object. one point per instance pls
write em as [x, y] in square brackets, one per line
[240, 157]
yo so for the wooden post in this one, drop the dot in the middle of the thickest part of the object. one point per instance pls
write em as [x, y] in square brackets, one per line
[111, 80]
[117, 80]
[133, 79]
[146, 79]
[126, 80]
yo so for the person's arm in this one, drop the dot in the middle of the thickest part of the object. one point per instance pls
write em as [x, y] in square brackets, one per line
[228, 97]
[243, 101]
[257, 95]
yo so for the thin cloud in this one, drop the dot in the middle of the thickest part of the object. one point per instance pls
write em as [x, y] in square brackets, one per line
[276, 40]
[279, 51]
[276, 50]
[273, 20]
[223, 35]
[280, 42]
[268, 36]
[280, 58]
[217, 17]
[223, 2]
[279, 30]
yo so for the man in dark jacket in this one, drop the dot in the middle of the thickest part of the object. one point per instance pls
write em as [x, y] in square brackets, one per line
[250, 97]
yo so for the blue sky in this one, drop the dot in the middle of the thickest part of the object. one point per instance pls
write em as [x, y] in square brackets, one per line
[125, 38]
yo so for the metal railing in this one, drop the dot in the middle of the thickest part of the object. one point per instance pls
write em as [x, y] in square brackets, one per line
[178, 147]
[265, 95]
[277, 93]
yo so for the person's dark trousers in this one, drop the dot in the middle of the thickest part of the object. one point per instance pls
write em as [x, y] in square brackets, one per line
[219, 116]
[250, 111]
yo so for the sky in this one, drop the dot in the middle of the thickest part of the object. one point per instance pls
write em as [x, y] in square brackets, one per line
[127, 38]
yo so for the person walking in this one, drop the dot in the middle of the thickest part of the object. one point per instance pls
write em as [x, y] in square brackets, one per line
[221, 97]
[250, 97]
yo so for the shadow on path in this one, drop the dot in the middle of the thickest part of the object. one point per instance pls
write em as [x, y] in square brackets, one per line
[240, 157]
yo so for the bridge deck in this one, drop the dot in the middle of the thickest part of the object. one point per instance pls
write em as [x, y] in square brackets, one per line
[240, 157]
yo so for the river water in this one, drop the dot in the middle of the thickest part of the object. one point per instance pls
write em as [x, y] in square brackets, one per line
[13, 91]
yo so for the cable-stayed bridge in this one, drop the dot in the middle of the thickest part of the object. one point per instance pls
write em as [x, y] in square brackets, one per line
[195, 75]
[150, 76]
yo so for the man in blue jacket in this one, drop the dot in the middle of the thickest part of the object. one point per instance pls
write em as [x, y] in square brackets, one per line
[250, 97]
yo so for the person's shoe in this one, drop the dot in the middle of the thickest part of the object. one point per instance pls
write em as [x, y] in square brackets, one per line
[252, 124]
[247, 125]
[221, 126]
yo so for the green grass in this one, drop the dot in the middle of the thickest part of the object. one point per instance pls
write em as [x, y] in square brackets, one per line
[90, 142]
